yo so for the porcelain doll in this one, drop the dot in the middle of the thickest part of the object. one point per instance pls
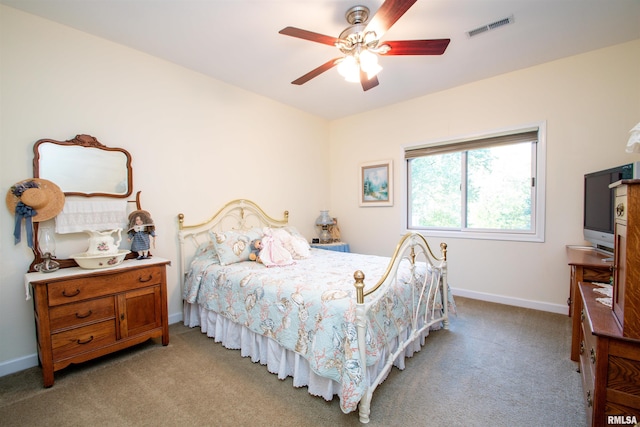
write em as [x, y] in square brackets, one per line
[142, 233]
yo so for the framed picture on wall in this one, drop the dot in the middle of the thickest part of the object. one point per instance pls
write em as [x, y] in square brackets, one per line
[376, 183]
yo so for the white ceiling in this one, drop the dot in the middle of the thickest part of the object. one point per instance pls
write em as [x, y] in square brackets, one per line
[237, 41]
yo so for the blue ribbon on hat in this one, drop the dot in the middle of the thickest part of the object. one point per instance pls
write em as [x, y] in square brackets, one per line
[26, 212]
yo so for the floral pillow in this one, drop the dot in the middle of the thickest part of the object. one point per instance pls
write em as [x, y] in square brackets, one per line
[206, 251]
[234, 246]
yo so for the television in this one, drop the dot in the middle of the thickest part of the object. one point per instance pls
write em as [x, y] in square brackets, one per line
[599, 200]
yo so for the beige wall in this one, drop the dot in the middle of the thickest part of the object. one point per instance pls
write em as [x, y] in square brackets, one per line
[589, 103]
[56, 82]
[196, 143]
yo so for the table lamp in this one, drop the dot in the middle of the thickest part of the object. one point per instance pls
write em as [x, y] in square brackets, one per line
[324, 221]
[47, 244]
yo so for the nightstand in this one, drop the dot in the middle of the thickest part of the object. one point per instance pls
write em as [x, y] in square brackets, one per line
[83, 314]
[335, 246]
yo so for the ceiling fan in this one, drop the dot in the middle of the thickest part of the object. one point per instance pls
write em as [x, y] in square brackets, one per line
[360, 43]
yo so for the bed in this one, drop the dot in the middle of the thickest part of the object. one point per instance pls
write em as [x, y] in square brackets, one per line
[335, 322]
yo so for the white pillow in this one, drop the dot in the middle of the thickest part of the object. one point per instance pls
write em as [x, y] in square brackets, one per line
[297, 244]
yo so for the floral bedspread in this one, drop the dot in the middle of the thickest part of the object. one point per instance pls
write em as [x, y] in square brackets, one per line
[309, 308]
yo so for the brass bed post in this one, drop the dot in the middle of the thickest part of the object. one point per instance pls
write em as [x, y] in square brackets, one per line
[182, 268]
[364, 407]
[444, 286]
[359, 278]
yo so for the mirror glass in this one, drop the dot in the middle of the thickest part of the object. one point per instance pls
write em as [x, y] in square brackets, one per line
[84, 167]
[80, 167]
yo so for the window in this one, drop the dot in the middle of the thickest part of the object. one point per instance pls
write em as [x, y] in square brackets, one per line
[491, 187]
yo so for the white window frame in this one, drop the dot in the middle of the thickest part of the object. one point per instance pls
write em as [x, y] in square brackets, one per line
[537, 234]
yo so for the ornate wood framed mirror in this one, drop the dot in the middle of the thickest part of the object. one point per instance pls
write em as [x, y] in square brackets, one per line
[84, 167]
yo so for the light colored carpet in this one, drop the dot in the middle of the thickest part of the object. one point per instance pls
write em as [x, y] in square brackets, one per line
[496, 366]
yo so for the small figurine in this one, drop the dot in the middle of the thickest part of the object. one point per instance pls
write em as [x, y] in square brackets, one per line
[256, 247]
[141, 232]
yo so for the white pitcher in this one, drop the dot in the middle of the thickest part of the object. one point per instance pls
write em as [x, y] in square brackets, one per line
[103, 242]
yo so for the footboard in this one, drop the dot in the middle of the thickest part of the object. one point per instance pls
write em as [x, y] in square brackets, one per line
[430, 304]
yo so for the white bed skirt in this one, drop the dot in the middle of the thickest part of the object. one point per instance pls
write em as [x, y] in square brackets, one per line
[278, 360]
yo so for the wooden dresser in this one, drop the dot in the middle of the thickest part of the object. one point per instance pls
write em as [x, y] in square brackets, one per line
[83, 314]
[587, 265]
[609, 364]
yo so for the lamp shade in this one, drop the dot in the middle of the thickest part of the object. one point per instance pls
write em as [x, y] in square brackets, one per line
[324, 218]
[633, 145]
[349, 69]
[46, 241]
[369, 63]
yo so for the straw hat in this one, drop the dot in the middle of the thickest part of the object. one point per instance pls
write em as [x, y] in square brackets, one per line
[42, 195]
[144, 215]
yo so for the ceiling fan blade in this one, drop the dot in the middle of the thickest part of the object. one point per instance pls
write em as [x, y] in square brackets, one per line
[366, 82]
[308, 35]
[387, 15]
[418, 47]
[315, 72]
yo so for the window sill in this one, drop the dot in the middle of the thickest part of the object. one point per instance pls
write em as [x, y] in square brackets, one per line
[479, 235]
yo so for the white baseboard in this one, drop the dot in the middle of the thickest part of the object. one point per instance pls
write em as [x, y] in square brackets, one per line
[175, 318]
[19, 364]
[517, 302]
[31, 360]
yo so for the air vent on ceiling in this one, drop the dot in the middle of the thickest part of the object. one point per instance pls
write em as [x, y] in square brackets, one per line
[497, 24]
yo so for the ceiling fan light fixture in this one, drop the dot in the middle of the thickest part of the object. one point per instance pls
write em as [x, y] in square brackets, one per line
[349, 68]
[369, 63]
[351, 64]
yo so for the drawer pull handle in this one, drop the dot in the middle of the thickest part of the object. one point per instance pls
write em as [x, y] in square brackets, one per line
[593, 356]
[620, 209]
[582, 315]
[84, 316]
[64, 293]
[141, 280]
[589, 399]
[581, 347]
[85, 342]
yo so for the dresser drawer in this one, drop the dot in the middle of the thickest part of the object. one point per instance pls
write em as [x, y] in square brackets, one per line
[602, 275]
[590, 342]
[76, 341]
[73, 290]
[81, 313]
[587, 357]
[587, 371]
[588, 383]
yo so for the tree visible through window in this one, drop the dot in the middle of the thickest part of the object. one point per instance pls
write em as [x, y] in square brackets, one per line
[485, 185]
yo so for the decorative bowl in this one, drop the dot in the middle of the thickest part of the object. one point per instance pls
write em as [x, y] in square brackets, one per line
[90, 261]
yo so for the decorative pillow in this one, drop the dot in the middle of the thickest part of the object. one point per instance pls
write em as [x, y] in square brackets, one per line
[234, 246]
[297, 244]
[206, 250]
